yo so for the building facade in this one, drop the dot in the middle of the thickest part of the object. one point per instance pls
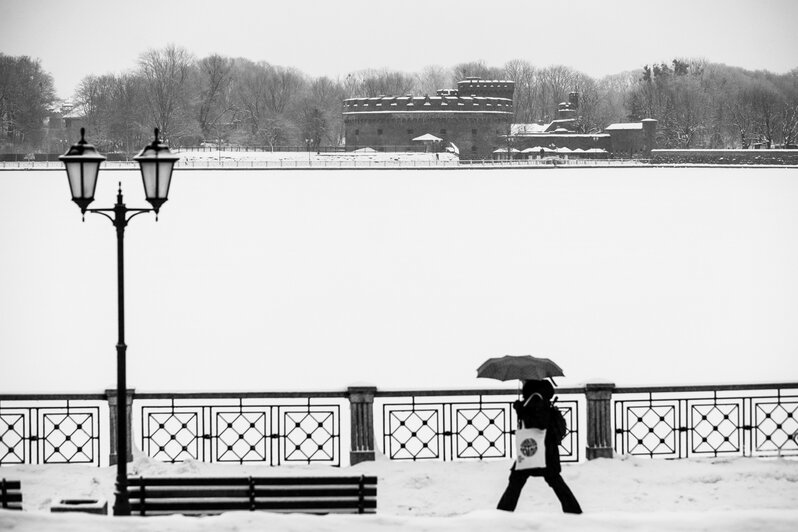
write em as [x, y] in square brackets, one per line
[472, 120]
[617, 140]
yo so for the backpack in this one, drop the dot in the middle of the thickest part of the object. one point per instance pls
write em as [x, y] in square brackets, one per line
[538, 413]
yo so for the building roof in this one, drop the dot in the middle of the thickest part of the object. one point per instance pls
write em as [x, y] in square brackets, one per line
[624, 125]
[76, 112]
[526, 129]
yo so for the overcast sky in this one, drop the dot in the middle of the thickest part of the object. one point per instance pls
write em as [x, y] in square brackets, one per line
[77, 38]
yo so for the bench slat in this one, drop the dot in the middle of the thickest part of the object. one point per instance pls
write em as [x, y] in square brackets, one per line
[227, 505]
[173, 493]
[213, 495]
[307, 511]
[10, 494]
[13, 496]
[244, 481]
[12, 506]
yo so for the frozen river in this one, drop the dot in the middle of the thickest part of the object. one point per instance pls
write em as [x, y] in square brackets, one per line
[275, 280]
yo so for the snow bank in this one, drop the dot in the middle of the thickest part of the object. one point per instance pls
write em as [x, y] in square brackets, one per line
[739, 494]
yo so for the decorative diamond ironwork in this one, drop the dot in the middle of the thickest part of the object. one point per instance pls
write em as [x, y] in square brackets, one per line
[715, 428]
[776, 426]
[570, 441]
[241, 437]
[481, 433]
[414, 434]
[651, 430]
[12, 436]
[68, 438]
[173, 436]
[312, 437]
[248, 432]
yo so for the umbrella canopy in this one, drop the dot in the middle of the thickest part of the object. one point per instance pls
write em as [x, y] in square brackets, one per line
[525, 367]
[428, 137]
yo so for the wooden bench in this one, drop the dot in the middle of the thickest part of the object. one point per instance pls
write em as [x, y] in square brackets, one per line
[10, 495]
[210, 495]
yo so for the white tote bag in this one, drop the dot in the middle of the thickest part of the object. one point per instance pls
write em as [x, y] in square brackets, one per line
[530, 449]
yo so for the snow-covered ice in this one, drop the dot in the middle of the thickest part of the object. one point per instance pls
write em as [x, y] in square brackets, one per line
[630, 494]
[385, 272]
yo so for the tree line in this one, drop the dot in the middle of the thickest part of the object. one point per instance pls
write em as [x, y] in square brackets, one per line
[218, 99]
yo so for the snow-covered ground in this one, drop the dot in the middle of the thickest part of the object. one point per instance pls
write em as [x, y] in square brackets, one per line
[629, 494]
[363, 157]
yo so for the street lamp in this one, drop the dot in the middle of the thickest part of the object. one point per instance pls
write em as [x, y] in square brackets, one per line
[307, 146]
[82, 162]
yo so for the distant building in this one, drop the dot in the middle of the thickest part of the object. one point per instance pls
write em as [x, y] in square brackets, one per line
[619, 140]
[473, 119]
[476, 120]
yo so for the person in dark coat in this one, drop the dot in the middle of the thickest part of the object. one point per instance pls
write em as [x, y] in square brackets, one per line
[535, 410]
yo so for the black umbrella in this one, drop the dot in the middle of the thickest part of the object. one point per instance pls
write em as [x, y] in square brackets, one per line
[524, 367]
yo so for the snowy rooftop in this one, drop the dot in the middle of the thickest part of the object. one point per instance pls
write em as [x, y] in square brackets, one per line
[624, 126]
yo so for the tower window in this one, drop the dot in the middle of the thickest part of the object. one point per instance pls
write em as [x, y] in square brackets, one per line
[443, 131]
[473, 131]
[357, 132]
[379, 132]
[409, 131]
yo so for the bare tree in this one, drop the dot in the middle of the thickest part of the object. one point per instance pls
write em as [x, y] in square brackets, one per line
[789, 124]
[166, 75]
[764, 98]
[263, 95]
[215, 103]
[26, 95]
[433, 77]
[526, 105]
[371, 83]
[477, 69]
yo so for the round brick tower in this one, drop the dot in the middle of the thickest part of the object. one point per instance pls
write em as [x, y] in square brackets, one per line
[475, 118]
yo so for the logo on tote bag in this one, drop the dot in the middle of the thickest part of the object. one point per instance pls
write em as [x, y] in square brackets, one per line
[531, 449]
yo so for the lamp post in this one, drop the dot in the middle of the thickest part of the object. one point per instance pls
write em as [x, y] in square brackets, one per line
[82, 162]
[308, 142]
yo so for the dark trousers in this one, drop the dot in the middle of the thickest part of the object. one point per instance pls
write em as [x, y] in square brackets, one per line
[509, 499]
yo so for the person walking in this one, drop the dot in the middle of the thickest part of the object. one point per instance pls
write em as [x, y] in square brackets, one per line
[535, 410]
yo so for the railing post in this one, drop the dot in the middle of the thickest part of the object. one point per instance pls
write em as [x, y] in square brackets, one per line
[361, 408]
[599, 419]
[111, 396]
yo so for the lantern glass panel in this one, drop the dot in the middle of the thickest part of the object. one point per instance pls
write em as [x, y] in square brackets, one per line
[156, 176]
[149, 177]
[165, 173]
[82, 177]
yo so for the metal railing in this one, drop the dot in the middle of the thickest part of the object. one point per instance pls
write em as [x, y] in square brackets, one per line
[687, 421]
[275, 428]
[271, 429]
[462, 424]
[51, 429]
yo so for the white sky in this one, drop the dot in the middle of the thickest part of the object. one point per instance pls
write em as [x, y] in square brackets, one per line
[77, 38]
[273, 280]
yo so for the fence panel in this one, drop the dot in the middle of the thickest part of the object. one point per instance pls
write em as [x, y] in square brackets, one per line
[705, 421]
[240, 430]
[465, 425]
[43, 430]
